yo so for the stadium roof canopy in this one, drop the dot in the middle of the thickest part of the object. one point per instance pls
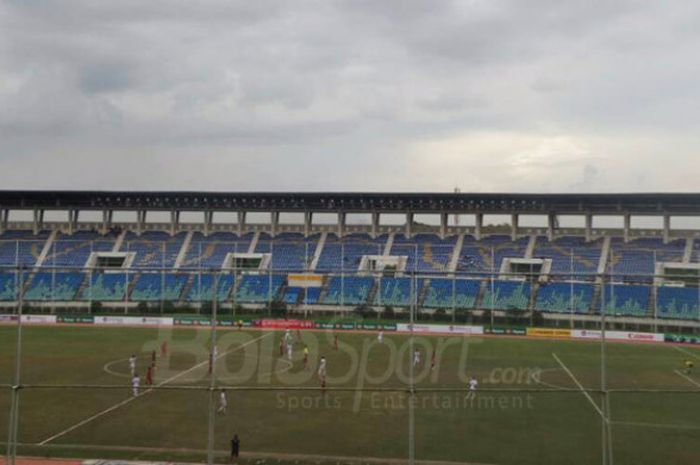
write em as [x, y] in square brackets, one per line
[359, 202]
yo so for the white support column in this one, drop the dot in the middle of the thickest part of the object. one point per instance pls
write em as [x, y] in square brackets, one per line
[443, 225]
[375, 224]
[308, 219]
[73, 220]
[241, 222]
[4, 215]
[174, 221]
[514, 227]
[478, 225]
[106, 220]
[274, 222]
[341, 223]
[38, 220]
[208, 220]
[628, 221]
[409, 225]
[589, 227]
[551, 226]
[140, 221]
[667, 228]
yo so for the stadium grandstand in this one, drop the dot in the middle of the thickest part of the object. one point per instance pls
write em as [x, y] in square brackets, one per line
[566, 275]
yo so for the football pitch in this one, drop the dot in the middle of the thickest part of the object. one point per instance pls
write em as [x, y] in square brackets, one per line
[537, 400]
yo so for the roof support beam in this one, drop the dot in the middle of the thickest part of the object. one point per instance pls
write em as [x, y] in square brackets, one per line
[106, 220]
[551, 226]
[514, 226]
[38, 222]
[667, 228]
[478, 225]
[589, 227]
[174, 221]
[308, 219]
[375, 224]
[409, 225]
[241, 221]
[342, 217]
[443, 225]
[274, 222]
[140, 221]
[628, 222]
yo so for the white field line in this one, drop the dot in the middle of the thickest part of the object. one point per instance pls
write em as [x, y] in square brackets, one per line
[580, 386]
[686, 352]
[687, 378]
[656, 425]
[126, 401]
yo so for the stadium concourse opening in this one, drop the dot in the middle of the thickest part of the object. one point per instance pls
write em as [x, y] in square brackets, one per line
[350, 342]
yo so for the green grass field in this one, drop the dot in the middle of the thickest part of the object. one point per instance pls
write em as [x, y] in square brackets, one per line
[514, 418]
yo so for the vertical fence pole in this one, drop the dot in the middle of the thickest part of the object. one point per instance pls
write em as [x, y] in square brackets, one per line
[212, 375]
[14, 408]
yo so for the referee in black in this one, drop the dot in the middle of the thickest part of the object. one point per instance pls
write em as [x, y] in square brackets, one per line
[235, 447]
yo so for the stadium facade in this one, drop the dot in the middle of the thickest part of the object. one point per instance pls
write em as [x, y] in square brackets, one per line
[565, 275]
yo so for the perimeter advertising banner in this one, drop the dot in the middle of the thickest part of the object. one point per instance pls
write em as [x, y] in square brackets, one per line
[617, 335]
[39, 319]
[549, 332]
[682, 338]
[133, 321]
[76, 319]
[439, 329]
[284, 324]
[199, 321]
[505, 331]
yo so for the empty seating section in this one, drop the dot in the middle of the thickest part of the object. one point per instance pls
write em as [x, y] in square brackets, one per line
[155, 249]
[565, 297]
[107, 286]
[400, 292]
[290, 251]
[258, 289]
[346, 253]
[628, 300]
[8, 286]
[451, 293]
[348, 290]
[74, 250]
[425, 252]
[21, 247]
[299, 295]
[202, 287]
[506, 295]
[678, 302]
[62, 286]
[572, 257]
[210, 251]
[487, 255]
[151, 287]
[635, 261]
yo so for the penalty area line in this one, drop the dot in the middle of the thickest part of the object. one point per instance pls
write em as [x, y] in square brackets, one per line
[580, 386]
[126, 401]
[687, 378]
[686, 352]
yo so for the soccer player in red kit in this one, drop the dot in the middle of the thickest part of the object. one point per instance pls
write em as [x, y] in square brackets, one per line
[282, 347]
[336, 342]
[149, 376]
[153, 357]
[432, 360]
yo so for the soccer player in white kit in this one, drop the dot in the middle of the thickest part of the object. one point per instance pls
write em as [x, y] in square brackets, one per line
[322, 368]
[132, 364]
[473, 383]
[223, 402]
[135, 383]
[380, 337]
[416, 357]
[289, 350]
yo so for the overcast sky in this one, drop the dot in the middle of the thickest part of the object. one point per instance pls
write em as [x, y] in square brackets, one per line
[550, 96]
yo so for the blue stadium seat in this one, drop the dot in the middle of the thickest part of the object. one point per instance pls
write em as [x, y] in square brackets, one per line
[259, 289]
[151, 287]
[74, 250]
[155, 249]
[483, 256]
[627, 300]
[8, 286]
[290, 251]
[209, 252]
[506, 295]
[107, 287]
[397, 291]
[678, 302]
[564, 297]
[348, 290]
[346, 253]
[58, 286]
[449, 293]
[425, 252]
[202, 289]
[572, 257]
